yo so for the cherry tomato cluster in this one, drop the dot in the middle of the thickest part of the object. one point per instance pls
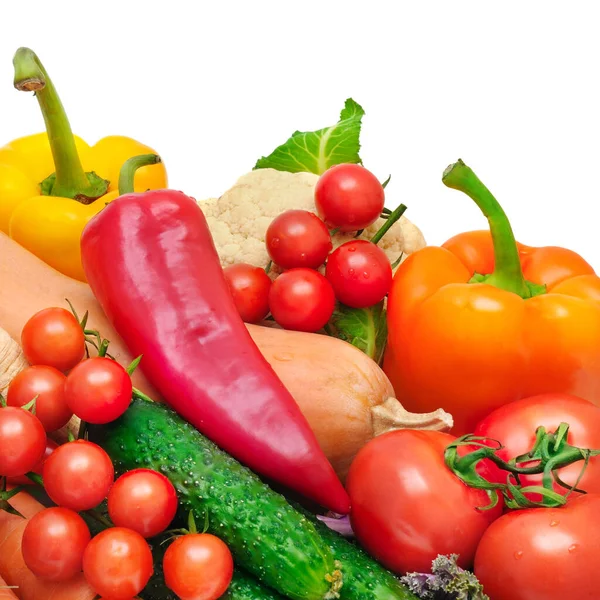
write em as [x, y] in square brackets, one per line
[348, 198]
[78, 476]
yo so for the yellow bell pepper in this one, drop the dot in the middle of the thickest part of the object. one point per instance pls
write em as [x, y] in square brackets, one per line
[53, 183]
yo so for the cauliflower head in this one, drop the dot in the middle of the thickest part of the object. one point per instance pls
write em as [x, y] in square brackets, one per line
[239, 219]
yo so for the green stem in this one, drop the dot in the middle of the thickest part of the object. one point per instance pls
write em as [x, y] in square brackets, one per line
[551, 452]
[508, 273]
[36, 478]
[130, 166]
[392, 218]
[70, 180]
[141, 396]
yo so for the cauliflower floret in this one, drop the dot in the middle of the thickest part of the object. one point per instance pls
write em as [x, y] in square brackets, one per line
[239, 219]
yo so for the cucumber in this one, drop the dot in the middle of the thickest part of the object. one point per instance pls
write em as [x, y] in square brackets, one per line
[266, 535]
[364, 577]
[242, 587]
[245, 587]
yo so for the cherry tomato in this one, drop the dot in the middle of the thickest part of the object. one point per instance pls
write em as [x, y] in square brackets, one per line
[301, 299]
[408, 507]
[51, 445]
[349, 198]
[98, 390]
[53, 543]
[514, 426]
[48, 384]
[142, 500]
[54, 338]
[298, 238]
[78, 475]
[198, 567]
[360, 273]
[22, 441]
[250, 287]
[118, 563]
[549, 553]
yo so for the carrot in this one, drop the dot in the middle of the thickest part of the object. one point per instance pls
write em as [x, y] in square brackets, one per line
[6, 593]
[13, 569]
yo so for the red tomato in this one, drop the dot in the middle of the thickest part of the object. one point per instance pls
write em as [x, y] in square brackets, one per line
[549, 553]
[51, 445]
[53, 543]
[142, 500]
[298, 238]
[408, 507]
[348, 197]
[301, 299]
[250, 288]
[22, 441]
[515, 424]
[78, 475]
[360, 273]
[117, 563]
[53, 337]
[198, 567]
[98, 390]
[48, 384]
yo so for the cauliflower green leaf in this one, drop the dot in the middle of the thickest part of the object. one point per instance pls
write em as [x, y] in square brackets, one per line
[316, 151]
[365, 328]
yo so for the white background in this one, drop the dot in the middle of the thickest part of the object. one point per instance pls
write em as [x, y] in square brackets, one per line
[511, 87]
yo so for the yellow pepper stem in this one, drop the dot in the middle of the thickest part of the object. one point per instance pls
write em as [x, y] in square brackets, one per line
[69, 180]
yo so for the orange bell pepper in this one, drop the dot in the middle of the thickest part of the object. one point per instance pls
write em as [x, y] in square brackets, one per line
[483, 320]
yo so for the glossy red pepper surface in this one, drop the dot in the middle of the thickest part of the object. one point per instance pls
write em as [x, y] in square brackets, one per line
[151, 262]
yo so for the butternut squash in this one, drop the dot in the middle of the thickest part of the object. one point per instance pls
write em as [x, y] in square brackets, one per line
[345, 396]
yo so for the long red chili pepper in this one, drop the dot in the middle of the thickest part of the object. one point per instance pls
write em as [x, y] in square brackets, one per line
[151, 262]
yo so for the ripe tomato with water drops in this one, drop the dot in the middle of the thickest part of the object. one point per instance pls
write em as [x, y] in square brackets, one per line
[514, 425]
[53, 544]
[118, 563]
[198, 566]
[250, 287]
[301, 299]
[408, 507]
[78, 475]
[47, 386]
[298, 238]
[22, 441]
[360, 273]
[549, 553]
[142, 500]
[348, 197]
[53, 337]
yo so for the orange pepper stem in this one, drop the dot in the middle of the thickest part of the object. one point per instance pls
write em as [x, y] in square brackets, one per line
[508, 273]
[69, 180]
[130, 166]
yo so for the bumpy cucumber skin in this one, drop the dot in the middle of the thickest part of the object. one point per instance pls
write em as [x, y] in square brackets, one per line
[364, 577]
[245, 587]
[267, 537]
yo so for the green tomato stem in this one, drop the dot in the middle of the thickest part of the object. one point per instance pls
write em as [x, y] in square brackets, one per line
[551, 452]
[391, 219]
[69, 180]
